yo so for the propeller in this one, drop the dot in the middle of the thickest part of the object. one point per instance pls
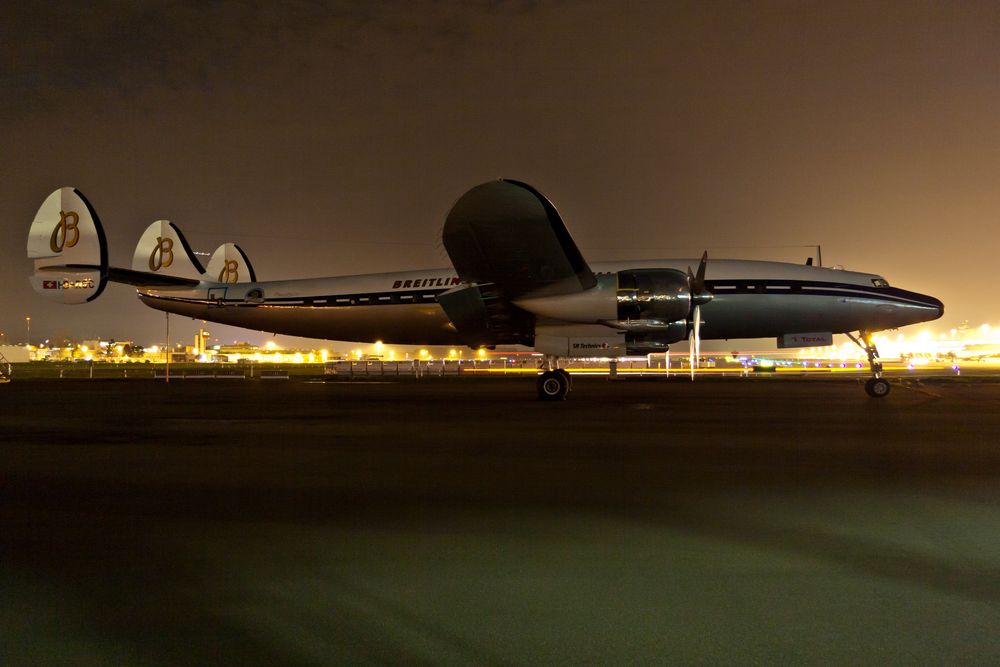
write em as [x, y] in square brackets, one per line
[699, 295]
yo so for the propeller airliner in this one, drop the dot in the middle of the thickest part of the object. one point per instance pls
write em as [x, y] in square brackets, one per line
[518, 279]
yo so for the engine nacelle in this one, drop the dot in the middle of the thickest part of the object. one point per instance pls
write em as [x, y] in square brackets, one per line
[654, 342]
[656, 296]
[646, 300]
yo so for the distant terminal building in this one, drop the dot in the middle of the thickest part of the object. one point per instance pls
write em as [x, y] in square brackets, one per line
[16, 354]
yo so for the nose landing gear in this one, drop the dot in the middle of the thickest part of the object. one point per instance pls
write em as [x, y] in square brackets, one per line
[877, 386]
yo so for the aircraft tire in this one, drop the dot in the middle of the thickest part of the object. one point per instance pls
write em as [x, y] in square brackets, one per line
[552, 386]
[878, 387]
[569, 379]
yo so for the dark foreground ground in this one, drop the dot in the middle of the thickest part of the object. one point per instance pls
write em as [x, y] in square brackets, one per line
[462, 522]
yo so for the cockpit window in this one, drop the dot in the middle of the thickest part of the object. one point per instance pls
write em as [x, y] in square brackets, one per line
[880, 282]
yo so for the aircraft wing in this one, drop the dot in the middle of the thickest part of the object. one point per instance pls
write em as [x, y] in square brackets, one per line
[508, 234]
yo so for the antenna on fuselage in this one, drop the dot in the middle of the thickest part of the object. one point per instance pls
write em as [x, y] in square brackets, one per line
[819, 257]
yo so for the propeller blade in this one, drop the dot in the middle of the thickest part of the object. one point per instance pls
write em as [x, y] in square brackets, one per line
[696, 282]
[700, 276]
[695, 346]
[697, 335]
[691, 353]
[699, 295]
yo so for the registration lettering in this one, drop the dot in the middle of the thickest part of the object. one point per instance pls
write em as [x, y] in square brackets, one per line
[68, 284]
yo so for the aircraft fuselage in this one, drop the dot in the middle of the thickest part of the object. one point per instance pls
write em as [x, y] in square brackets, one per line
[752, 299]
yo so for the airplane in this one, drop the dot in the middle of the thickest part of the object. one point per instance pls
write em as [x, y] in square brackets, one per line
[518, 278]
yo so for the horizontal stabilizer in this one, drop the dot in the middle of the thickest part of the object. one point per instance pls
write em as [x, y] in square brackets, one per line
[147, 279]
[66, 231]
[116, 275]
[507, 233]
[229, 264]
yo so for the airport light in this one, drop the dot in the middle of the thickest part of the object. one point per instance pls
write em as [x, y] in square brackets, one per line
[27, 320]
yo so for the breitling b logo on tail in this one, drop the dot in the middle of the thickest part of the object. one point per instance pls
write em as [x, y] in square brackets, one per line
[162, 255]
[230, 272]
[68, 224]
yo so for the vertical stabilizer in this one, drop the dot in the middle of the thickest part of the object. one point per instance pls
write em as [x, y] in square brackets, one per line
[163, 249]
[229, 264]
[66, 242]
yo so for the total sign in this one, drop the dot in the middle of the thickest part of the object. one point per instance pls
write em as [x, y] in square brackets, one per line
[805, 340]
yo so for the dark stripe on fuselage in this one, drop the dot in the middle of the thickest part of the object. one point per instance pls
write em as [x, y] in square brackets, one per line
[820, 288]
[337, 300]
[719, 287]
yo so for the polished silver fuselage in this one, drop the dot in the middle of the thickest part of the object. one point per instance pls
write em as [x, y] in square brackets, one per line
[752, 299]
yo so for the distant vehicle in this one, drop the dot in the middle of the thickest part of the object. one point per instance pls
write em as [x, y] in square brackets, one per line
[518, 278]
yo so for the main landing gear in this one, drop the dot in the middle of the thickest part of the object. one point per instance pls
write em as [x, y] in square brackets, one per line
[877, 386]
[554, 383]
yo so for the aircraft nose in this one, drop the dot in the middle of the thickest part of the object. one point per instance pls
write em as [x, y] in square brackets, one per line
[913, 307]
[935, 305]
[930, 307]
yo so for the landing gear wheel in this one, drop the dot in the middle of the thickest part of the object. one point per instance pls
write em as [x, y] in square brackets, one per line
[877, 387]
[553, 385]
[569, 380]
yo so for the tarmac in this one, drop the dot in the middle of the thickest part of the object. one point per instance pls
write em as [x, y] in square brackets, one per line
[462, 521]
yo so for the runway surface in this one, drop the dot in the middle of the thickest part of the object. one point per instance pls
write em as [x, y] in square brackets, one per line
[461, 521]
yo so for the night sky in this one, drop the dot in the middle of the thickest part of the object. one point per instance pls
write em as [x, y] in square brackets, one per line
[332, 138]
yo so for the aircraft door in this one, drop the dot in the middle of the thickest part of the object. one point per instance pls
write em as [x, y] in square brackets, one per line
[217, 295]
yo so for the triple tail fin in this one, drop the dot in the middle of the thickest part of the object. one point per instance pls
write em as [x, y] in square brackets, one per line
[69, 249]
[163, 250]
[229, 264]
[70, 253]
